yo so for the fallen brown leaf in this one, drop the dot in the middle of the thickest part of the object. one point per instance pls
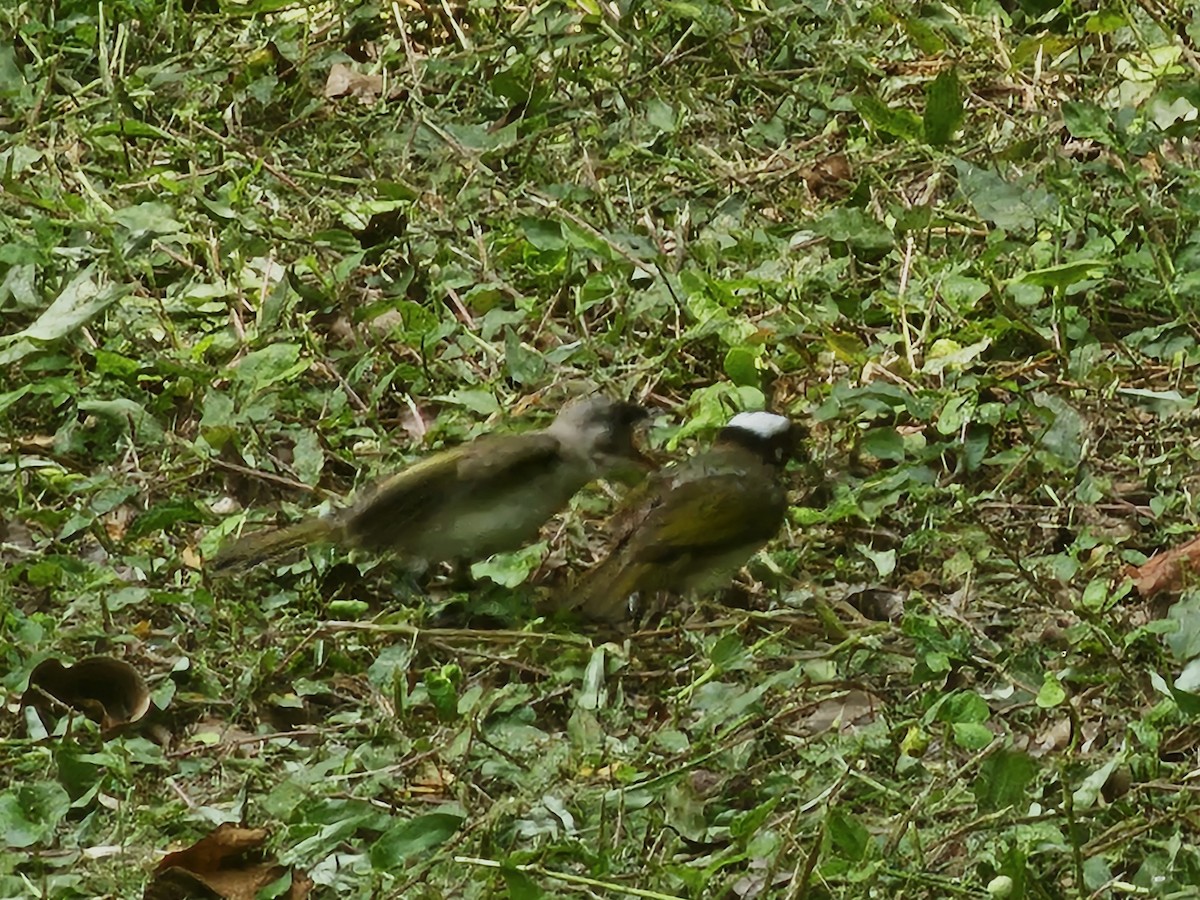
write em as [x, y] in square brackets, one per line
[1165, 571]
[343, 81]
[228, 864]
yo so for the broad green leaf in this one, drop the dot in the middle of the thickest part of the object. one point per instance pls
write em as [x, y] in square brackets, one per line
[947, 354]
[481, 402]
[896, 121]
[1002, 780]
[1065, 275]
[592, 694]
[412, 838]
[1064, 436]
[274, 363]
[151, 217]
[442, 686]
[741, 365]
[511, 569]
[928, 41]
[544, 234]
[80, 301]
[1051, 693]
[884, 443]
[971, 735]
[847, 834]
[943, 108]
[15, 829]
[855, 227]
[1105, 21]
[520, 886]
[1011, 206]
[129, 413]
[963, 706]
[1185, 642]
[348, 609]
[525, 366]
[884, 560]
[1088, 121]
[1088, 792]
[30, 813]
[308, 456]
[729, 652]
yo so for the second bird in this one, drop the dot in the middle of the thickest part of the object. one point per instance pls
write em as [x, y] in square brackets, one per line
[487, 496]
[694, 524]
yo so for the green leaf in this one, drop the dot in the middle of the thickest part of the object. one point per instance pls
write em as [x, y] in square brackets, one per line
[884, 560]
[1064, 436]
[1051, 693]
[128, 413]
[308, 456]
[80, 302]
[482, 402]
[1012, 206]
[162, 516]
[971, 735]
[899, 122]
[847, 834]
[30, 813]
[592, 694]
[412, 838]
[151, 217]
[348, 609]
[928, 41]
[884, 443]
[1065, 275]
[1087, 121]
[544, 234]
[1185, 642]
[741, 365]
[1105, 21]
[520, 886]
[525, 366]
[511, 569]
[15, 829]
[272, 364]
[443, 692]
[855, 227]
[1002, 780]
[943, 108]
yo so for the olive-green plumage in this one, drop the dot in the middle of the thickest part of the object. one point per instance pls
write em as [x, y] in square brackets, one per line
[487, 496]
[692, 525]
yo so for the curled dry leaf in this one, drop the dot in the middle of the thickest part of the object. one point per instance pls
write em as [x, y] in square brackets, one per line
[844, 713]
[106, 690]
[1166, 571]
[343, 81]
[228, 864]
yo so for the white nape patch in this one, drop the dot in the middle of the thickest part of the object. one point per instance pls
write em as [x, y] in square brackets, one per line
[764, 424]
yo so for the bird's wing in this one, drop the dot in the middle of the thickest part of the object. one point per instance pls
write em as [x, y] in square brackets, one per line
[509, 458]
[707, 514]
[483, 467]
[681, 517]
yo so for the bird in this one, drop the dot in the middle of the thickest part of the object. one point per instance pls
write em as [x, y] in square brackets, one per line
[486, 496]
[692, 525]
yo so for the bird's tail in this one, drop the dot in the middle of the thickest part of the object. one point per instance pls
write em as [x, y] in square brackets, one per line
[262, 546]
[603, 593]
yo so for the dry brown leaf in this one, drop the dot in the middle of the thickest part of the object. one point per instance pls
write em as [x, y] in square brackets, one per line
[228, 864]
[1165, 571]
[343, 81]
[106, 690]
[843, 713]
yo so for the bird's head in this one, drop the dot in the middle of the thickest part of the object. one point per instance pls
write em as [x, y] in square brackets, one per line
[774, 437]
[601, 430]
